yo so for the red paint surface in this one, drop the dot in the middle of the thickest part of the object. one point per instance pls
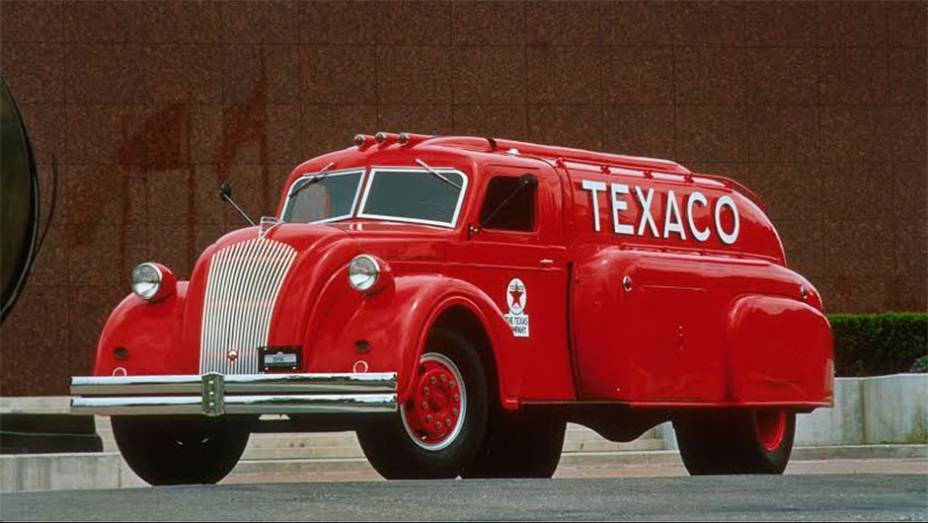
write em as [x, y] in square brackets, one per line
[703, 323]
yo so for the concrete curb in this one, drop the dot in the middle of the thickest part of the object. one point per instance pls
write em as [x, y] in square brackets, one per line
[901, 451]
[107, 470]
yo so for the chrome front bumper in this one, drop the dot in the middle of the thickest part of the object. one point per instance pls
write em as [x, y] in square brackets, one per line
[217, 394]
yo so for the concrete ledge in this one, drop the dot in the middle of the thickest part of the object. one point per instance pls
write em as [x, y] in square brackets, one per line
[35, 404]
[877, 410]
[896, 409]
[29, 472]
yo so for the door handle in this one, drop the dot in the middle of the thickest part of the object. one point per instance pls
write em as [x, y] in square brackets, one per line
[546, 261]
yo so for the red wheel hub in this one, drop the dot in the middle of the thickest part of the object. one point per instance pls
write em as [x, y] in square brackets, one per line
[770, 427]
[435, 410]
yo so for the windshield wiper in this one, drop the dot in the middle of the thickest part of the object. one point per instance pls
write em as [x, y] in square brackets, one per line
[437, 174]
[317, 178]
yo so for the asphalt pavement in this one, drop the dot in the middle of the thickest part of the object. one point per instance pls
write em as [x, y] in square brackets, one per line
[797, 497]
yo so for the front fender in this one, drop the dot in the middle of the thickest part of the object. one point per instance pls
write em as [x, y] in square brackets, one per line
[388, 331]
[150, 333]
[779, 351]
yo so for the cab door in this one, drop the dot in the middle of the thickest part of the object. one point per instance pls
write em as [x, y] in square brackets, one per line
[517, 257]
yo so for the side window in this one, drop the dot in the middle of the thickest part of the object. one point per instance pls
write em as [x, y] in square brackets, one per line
[509, 205]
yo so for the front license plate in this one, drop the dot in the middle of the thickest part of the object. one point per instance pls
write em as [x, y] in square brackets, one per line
[276, 359]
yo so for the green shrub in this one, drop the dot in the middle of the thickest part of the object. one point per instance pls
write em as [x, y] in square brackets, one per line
[920, 365]
[876, 344]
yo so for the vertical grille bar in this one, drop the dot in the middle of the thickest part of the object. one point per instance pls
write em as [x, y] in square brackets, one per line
[242, 286]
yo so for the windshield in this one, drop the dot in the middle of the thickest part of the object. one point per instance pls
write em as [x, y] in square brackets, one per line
[322, 197]
[414, 195]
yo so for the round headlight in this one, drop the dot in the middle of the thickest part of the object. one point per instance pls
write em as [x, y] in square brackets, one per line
[146, 280]
[363, 272]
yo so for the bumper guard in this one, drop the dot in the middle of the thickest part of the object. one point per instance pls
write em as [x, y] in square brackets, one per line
[217, 394]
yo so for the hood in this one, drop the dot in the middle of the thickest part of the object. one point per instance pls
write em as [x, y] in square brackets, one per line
[237, 283]
[301, 237]
[389, 240]
[249, 290]
[397, 242]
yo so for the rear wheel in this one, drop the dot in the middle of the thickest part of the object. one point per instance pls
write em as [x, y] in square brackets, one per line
[182, 450]
[736, 442]
[439, 429]
[519, 447]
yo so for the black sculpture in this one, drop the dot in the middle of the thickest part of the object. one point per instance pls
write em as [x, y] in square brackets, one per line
[19, 202]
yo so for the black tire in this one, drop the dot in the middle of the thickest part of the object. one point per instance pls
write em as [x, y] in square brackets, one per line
[180, 450]
[518, 446]
[391, 449]
[728, 442]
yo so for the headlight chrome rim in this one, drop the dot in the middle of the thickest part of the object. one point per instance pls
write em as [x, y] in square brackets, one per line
[147, 280]
[364, 272]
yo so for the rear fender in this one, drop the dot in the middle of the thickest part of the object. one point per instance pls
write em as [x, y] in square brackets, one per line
[150, 333]
[779, 352]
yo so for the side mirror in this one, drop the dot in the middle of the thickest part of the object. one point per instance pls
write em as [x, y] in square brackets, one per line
[528, 180]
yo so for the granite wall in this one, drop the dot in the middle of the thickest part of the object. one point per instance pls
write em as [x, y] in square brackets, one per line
[146, 106]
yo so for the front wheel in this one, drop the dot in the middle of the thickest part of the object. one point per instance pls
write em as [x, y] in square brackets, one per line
[736, 442]
[181, 450]
[438, 430]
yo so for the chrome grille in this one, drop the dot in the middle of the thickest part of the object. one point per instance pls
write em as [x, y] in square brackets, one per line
[241, 289]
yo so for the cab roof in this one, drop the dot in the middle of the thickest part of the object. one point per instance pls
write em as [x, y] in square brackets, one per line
[511, 149]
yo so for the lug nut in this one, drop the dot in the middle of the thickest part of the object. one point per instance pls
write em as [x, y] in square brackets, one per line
[447, 422]
[444, 378]
[425, 390]
[455, 411]
[451, 384]
[425, 404]
[437, 424]
[432, 380]
[428, 418]
[457, 397]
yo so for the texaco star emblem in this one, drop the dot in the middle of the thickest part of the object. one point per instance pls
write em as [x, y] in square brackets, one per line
[516, 296]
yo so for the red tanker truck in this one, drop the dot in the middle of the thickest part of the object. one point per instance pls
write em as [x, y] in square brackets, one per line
[456, 301]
